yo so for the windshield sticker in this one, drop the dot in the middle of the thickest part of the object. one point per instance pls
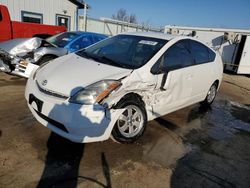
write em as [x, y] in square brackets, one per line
[147, 42]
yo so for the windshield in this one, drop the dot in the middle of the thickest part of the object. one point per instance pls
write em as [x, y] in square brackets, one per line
[127, 51]
[62, 39]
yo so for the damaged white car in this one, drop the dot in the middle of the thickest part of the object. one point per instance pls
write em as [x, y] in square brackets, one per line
[114, 87]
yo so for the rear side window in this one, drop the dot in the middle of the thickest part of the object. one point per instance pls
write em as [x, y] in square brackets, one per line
[82, 42]
[201, 53]
[177, 56]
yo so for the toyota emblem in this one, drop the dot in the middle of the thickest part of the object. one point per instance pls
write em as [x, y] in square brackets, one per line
[44, 82]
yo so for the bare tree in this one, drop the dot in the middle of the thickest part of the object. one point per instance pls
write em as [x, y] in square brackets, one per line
[132, 18]
[146, 24]
[122, 15]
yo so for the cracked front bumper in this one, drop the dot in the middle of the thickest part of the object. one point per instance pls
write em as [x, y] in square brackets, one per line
[12, 64]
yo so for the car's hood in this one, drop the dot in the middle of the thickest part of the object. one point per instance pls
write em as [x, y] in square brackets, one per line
[21, 45]
[68, 74]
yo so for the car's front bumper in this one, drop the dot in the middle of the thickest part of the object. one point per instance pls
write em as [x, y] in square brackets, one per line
[78, 123]
[17, 68]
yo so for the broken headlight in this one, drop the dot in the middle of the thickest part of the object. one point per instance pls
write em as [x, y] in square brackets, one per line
[95, 93]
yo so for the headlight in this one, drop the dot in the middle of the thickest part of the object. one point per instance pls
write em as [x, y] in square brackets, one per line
[24, 63]
[95, 93]
[41, 66]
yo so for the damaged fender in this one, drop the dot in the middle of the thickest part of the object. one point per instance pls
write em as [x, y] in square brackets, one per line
[138, 83]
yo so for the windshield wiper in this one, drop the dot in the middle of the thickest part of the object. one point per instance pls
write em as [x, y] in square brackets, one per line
[107, 60]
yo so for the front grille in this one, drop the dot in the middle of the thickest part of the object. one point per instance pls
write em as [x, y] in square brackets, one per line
[21, 68]
[51, 93]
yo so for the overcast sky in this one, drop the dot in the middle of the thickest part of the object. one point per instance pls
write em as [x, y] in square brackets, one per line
[205, 13]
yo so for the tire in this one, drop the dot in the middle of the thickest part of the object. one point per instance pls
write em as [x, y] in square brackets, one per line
[45, 59]
[210, 95]
[129, 128]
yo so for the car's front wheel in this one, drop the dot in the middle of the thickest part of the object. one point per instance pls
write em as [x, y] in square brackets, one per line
[131, 123]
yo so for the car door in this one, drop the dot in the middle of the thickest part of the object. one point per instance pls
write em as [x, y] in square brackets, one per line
[203, 71]
[175, 79]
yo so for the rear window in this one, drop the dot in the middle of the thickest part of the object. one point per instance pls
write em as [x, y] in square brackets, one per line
[62, 39]
[201, 53]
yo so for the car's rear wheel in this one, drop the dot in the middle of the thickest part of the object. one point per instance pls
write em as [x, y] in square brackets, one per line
[210, 95]
[131, 123]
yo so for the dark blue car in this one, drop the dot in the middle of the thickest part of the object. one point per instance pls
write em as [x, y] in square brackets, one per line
[75, 40]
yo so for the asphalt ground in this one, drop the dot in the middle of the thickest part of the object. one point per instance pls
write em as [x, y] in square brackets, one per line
[192, 147]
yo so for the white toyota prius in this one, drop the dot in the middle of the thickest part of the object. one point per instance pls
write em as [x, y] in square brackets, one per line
[112, 88]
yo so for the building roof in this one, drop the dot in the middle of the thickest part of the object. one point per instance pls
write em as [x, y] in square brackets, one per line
[80, 4]
[244, 31]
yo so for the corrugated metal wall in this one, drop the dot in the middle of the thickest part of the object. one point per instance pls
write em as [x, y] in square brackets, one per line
[48, 8]
[111, 27]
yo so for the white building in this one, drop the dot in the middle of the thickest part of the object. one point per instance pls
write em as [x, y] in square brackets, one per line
[51, 12]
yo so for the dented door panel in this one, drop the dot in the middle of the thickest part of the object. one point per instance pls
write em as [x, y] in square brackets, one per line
[175, 93]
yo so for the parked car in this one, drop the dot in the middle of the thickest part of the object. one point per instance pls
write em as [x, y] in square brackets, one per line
[21, 56]
[114, 87]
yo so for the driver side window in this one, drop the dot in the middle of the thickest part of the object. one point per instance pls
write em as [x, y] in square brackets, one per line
[176, 57]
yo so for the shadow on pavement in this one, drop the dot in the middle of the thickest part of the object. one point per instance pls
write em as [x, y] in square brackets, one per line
[62, 162]
[62, 165]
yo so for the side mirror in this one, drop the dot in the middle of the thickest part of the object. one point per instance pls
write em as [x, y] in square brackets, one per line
[166, 69]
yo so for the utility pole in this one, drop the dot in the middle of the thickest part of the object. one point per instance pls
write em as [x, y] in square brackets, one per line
[85, 17]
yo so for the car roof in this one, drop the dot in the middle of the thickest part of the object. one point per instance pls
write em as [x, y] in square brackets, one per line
[152, 34]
